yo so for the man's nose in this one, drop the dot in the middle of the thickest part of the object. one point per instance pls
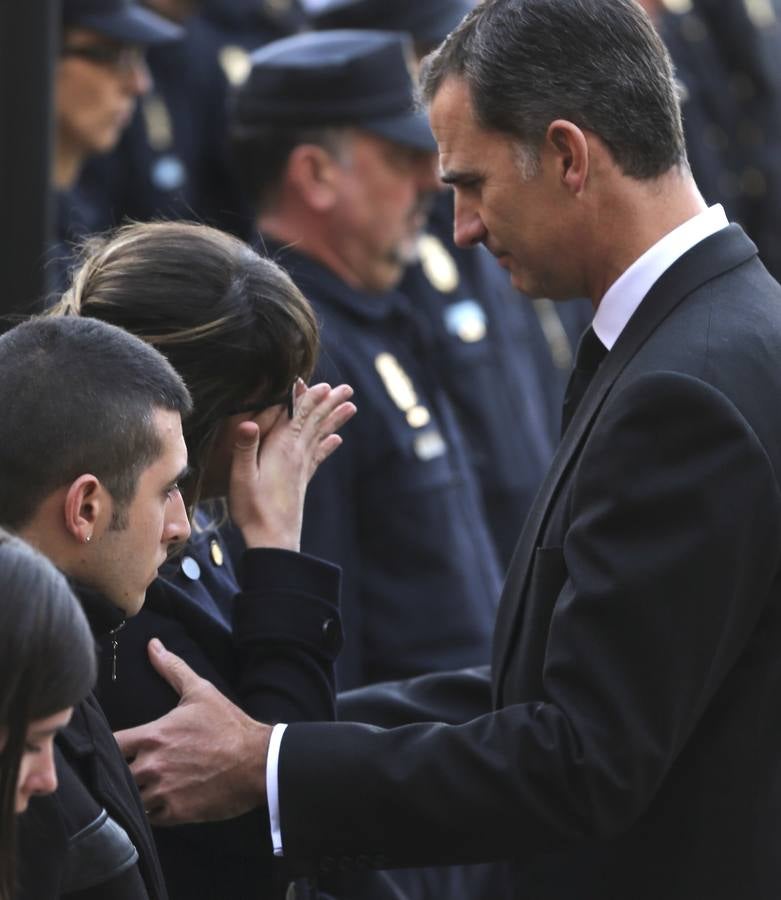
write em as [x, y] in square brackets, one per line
[468, 227]
[177, 525]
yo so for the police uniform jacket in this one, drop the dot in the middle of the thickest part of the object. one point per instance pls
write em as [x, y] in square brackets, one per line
[398, 506]
[495, 363]
[172, 160]
[268, 643]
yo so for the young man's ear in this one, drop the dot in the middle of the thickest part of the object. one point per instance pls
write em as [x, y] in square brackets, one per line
[87, 503]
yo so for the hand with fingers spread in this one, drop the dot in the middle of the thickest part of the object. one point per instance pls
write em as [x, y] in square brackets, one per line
[269, 476]
[203, 761]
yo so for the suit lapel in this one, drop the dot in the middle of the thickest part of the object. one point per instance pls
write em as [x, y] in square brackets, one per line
[712, 257]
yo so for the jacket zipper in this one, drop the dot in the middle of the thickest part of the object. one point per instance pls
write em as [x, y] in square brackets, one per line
[114, 645]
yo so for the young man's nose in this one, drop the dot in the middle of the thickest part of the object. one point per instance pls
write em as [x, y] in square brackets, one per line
[177, 525]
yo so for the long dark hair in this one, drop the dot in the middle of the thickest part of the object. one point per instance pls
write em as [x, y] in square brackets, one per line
[229, 320]
[47, 664]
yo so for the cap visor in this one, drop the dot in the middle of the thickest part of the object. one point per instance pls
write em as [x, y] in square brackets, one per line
[411, 129]
[134, 25]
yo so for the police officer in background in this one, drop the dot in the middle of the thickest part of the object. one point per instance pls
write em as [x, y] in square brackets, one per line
[248, 24]
[502, 358]
[727, 57]
[341, 171]
[172, 162]
[99, 77]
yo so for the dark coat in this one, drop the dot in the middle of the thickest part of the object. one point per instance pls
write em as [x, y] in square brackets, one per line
[269, 645]
[398, 507]
[635, 746]
[90, 839]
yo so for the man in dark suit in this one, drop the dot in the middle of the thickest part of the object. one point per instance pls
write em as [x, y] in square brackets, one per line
[633, 743]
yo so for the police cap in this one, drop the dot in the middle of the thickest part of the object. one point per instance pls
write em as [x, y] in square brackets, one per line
[122, 20]
[428, 21]
[335, 78]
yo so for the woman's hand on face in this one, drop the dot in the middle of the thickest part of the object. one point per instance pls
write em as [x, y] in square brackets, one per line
[269, 475]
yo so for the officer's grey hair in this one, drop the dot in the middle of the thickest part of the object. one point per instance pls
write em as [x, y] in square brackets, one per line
[261, 154]
[597, 63]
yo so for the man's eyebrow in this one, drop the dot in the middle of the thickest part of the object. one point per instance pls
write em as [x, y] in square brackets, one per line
[187, 470]
[455, 177]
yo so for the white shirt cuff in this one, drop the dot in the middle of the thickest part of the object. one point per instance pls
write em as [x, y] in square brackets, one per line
[272, 786]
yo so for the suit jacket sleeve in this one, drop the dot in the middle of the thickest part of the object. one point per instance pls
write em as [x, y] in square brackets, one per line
[450, 697]
[670, 546]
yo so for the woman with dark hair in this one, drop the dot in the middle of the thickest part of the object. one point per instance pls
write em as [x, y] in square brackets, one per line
[244, 339]
[47, 666]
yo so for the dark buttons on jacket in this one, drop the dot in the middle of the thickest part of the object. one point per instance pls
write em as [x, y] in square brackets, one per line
[331, 634]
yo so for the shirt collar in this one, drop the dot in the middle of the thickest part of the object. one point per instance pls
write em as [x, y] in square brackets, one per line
[627, 292]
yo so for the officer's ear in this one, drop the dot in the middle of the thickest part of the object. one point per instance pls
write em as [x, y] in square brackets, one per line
[87, 506]
[313, 172]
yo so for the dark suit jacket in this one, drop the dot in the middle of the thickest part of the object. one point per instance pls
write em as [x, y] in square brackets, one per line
[635, 746]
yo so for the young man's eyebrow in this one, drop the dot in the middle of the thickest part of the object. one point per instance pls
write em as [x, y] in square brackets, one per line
[187, 470]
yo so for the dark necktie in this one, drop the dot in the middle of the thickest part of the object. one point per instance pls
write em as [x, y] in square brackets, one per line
[591, 351]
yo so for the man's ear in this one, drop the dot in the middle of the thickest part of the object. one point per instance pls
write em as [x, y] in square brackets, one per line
[313, 171]
[87, 504]
[570, 149]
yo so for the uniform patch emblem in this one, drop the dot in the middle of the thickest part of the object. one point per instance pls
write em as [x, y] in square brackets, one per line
[190, 568]
[466, 320]
[430, 445]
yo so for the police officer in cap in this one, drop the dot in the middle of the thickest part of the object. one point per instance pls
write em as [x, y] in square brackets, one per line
[100, 74]
[341, 171]
[172, 161]
[726, 57]
[502, 359]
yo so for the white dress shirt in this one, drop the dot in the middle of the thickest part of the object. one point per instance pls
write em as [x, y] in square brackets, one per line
[626, 293]
[614, 311]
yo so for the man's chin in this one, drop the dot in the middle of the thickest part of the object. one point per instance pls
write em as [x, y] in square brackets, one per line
[132, 606]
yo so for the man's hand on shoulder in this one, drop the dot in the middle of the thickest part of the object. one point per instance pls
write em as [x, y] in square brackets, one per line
[203, 761]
